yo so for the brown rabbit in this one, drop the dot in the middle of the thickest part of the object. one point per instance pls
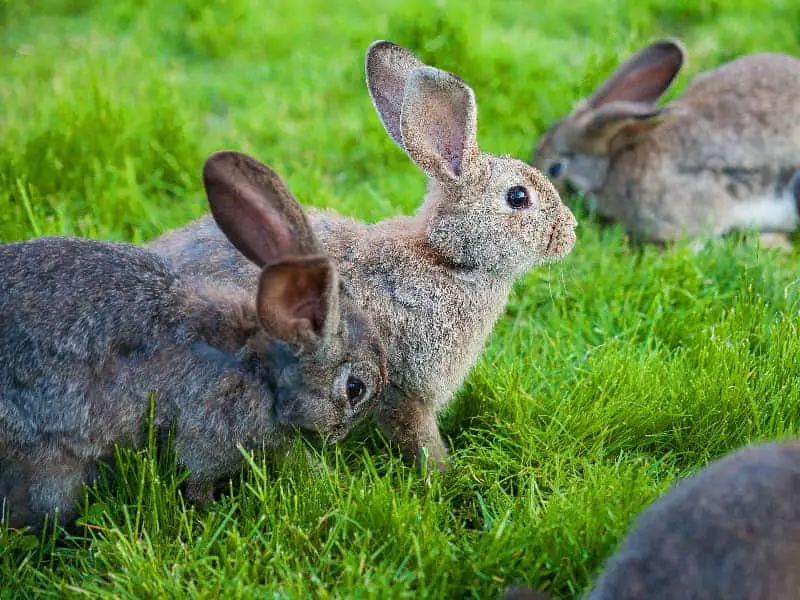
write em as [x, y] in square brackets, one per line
[88, 329]
[730, 532]
[435, 283]
[722, 157]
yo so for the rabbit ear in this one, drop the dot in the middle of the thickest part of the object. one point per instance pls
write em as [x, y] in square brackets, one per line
[644, 77]
[616, 124]
[388, 66]
[439, 122]
[298, 299]
[254, 208]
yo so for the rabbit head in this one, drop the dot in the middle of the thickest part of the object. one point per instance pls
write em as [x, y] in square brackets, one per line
[482, 212]
[579, 148]
[330, 360]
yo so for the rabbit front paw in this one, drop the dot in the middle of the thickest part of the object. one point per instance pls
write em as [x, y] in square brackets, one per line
[411, 423]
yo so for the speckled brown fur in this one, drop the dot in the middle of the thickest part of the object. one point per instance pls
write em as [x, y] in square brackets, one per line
[730, 532]
[435, 282]
[717, 159]
[89, 329]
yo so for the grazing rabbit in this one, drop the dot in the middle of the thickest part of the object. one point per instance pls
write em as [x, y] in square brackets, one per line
[88, 329]
[435, 283]
[719, 158]
[730, 532]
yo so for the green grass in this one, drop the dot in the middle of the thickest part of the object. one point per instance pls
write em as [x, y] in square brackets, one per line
[609, 376]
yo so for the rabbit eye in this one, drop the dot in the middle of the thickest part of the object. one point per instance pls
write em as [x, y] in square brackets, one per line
[355, 388]
[556, 169]
[518, 197]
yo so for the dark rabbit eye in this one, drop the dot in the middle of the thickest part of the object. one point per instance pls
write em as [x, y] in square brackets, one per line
[556, 169]
[355, 388]
[518, 197]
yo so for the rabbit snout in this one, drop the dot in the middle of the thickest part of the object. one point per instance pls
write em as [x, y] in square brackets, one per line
[562, 235]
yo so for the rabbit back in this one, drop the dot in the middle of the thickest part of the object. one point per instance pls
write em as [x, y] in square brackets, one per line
[200, 251]
[71, 311]
[731, 532]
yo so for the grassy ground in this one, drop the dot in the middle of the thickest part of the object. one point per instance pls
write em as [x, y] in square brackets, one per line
[610, 375]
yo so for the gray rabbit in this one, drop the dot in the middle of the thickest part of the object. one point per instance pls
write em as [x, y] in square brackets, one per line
[89, 329]
[730, 532]
[436, 282]
[723, 156]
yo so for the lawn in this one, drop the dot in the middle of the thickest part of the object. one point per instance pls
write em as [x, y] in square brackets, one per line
[610, 375]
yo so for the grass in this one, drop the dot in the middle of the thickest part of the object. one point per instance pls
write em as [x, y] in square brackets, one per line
[610, 375]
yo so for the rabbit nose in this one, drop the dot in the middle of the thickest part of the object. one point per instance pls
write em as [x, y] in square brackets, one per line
[570, 219]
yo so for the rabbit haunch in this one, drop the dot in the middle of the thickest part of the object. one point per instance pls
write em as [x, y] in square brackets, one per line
[718, 158]
[89, 329]
[436, 282]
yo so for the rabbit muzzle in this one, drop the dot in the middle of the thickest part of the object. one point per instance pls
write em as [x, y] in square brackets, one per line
[562, 236]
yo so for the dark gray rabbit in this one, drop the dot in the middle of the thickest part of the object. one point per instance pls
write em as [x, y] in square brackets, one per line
[730, 532]
[88, 329]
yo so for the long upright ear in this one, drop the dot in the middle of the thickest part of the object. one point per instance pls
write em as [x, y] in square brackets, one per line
[388, 66]
[255, 209]
[644, 77]
[438, 122]
[298, 299]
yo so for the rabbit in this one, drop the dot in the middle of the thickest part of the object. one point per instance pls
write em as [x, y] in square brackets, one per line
[436, 282]
[89, 329]
[718, 159]
[730, 532]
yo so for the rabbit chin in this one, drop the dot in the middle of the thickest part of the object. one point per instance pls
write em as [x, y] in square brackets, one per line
[318, 439]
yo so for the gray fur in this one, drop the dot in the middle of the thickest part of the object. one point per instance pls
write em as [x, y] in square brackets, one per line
[89, 329]
[717, 159]
[436, 282]
[730, 532]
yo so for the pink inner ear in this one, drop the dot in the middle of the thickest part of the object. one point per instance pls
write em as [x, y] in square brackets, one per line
[294, 297]
[455, 151]
[448, 138]
[311, 310]
[447, 145]
[438, 122]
